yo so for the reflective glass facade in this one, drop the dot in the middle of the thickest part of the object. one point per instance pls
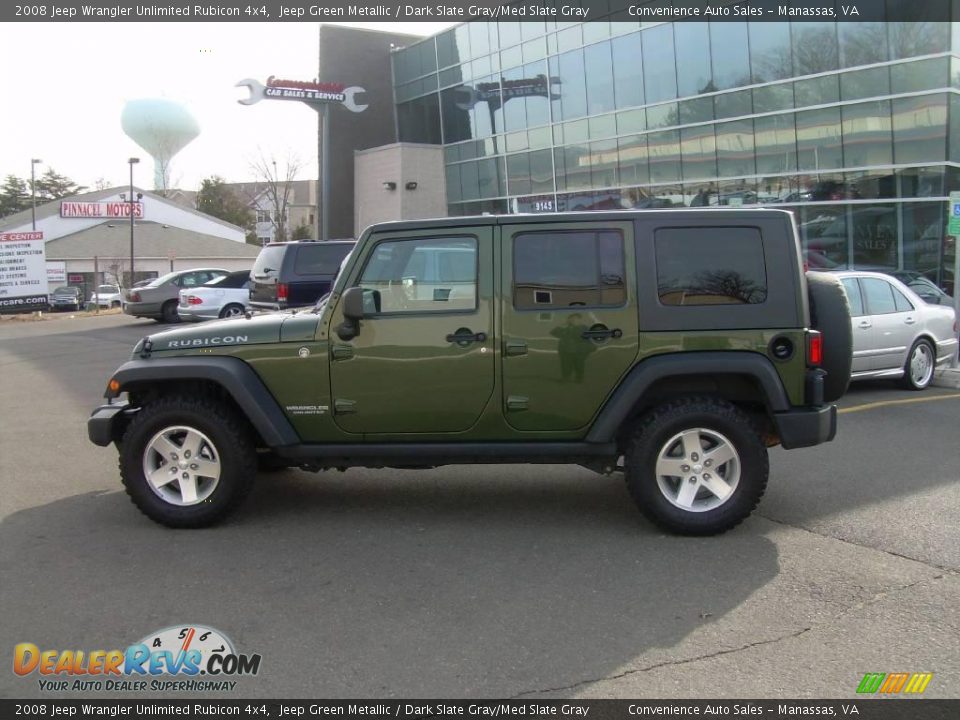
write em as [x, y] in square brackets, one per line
[853, 125]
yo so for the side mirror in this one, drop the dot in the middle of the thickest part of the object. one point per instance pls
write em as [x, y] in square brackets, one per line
[352, 303]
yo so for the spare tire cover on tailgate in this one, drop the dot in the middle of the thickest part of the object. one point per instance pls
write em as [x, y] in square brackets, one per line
[830, 314]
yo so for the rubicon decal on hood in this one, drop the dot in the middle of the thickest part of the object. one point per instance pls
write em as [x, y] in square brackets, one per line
[201, 342]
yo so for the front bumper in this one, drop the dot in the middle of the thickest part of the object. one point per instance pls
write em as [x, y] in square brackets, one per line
[806, 427]
[106, 423]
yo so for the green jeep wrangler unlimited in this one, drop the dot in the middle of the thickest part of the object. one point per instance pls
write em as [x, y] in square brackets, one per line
[674, 346]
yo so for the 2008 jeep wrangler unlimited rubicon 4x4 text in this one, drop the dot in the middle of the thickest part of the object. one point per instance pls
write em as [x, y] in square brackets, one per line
[675, 346]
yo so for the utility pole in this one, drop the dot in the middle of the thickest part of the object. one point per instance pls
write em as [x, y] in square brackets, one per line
[33, 192]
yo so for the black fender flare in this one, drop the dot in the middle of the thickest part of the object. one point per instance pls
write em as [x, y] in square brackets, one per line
[236, 377]
[633, 387]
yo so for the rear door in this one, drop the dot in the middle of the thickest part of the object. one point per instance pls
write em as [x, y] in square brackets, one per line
[569, 320]
[894, 323]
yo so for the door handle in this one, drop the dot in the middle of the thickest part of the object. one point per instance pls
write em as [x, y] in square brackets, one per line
[601, 332]
[865, 325]
[465, 336]
[909, 321]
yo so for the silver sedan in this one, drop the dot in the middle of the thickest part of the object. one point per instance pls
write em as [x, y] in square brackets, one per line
[895, 333]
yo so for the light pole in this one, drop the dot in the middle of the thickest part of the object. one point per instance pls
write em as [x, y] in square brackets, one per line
[133, 161]
[33, 192]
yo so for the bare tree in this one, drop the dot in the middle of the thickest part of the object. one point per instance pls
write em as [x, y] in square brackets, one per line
[274, 183]
[101, 184]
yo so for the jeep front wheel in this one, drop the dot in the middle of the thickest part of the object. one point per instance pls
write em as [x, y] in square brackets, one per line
[187, 462]
[696, 466]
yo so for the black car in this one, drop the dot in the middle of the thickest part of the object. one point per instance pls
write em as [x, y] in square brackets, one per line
[295, 274]
[67, 297]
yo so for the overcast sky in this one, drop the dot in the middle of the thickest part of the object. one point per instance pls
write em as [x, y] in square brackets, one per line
[67, 85]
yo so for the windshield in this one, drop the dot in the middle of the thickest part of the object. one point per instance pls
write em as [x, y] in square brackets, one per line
[108, 289]
[156, 282]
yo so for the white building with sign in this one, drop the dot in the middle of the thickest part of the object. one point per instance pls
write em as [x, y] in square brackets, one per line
[86, 239]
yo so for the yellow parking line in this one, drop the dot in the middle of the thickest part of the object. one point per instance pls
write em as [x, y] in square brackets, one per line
[884, 403]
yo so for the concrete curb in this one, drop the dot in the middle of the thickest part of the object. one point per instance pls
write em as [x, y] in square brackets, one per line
[948, 378]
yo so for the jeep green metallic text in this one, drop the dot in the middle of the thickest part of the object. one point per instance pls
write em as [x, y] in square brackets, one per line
[674, 346]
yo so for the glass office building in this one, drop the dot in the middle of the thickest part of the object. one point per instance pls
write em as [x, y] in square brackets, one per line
[854, 125]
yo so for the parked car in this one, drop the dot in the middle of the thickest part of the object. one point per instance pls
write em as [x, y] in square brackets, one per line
[67, 297]
[223, 297]
[158, 299]
[107, 296]
[924, 287]
[295, 274]
[895, 333]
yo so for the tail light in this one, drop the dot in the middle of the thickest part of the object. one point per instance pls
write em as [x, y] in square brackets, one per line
[134, 297]
[814, 348]
[192, 300]
[281, 292]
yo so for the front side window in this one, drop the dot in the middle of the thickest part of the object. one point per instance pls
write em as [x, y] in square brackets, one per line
[413, 276]
[710, 266]
[553, 270]
[853, 295]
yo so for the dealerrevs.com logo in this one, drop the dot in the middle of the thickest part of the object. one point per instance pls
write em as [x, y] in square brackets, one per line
[187, 658]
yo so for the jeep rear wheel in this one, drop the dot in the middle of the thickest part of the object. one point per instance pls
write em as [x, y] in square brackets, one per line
[696, 466]
[187, 462]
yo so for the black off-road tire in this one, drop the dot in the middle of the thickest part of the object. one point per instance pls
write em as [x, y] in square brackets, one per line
[655, 430]
[234, 444]
[168, 312]
[830, 314]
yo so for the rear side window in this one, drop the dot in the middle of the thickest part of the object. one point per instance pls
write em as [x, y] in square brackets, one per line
[852, 288]
[553, 270]
[879, 296]
[710, 266]
[903, 305]
[319, 258]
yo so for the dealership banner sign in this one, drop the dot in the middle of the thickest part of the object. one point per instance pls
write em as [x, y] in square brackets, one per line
[23, 272]
[56, 271]
[116, 209]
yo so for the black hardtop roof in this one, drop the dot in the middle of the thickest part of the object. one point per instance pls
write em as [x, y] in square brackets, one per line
[589, 216]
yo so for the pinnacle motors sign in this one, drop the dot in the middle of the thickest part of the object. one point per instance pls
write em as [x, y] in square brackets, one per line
[116, 209]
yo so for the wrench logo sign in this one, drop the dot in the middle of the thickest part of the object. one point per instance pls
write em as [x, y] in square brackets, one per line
[308, 92]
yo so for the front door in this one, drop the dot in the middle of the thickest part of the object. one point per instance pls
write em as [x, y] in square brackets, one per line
[864, 343]
[569, 320]
[423, 361]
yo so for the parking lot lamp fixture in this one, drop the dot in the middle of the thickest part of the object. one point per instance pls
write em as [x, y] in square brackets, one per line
[33, 192]
[133, 161]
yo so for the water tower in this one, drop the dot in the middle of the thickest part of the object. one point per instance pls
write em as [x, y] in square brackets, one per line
[162, 128]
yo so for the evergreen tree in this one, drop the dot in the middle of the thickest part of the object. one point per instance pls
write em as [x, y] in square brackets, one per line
[216, 199]
[14, 196]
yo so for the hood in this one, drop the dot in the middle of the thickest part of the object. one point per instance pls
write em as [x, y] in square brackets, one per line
[256, 330]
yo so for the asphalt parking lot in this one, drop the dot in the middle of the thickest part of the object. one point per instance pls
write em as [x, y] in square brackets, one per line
[486, 581]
